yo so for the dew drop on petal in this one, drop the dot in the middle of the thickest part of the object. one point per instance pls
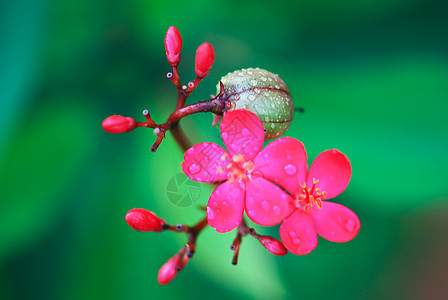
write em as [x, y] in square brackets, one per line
[265, 205]
[245, 132]
[349, 225]
[225, 136]
[210, 213]
[277, 210]
[194, 168]
[251, 213]
[292, 234]
[290, 169]
[296, 241]
[250, 199]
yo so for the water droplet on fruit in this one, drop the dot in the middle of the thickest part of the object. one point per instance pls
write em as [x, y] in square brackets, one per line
[296, 241]
[290, 169]
[251, 97]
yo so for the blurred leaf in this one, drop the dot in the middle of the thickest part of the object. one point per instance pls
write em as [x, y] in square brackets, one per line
[48, 150]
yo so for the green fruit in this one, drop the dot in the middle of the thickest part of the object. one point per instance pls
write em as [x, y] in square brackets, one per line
[263, 93]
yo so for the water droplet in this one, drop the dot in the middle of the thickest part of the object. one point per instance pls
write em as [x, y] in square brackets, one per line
[194, 168]
[210, 213]
[263, 78]
[205, 174]
[277, 210]
[257, 91]
[289, 157]
[225, 136]
[250, 73]
[253, 82]
[241, 74]
[251, 213]
[215, 203]
[245, 132]
[290, 169]
[296, 241]
[237, 97]
[292, 234]
[224, 203]
[266, 157]
[251, 97]
[265, 205]
[349, 225]
[250, 199]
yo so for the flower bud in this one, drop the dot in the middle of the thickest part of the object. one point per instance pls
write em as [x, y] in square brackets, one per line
[143, 220]
[118, 124]
[173, 46]
[274, 246]
[170, 269]
[205, 56]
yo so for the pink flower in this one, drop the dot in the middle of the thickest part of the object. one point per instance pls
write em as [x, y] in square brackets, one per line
[329, 175]
[243, 136]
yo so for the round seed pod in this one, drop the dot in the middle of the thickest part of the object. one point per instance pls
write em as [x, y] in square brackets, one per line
[263, 93]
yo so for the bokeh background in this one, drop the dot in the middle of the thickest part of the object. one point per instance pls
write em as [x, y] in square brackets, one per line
[371, 75]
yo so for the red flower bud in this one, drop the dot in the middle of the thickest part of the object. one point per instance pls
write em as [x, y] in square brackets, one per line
[205, 56]
[274, 246]
[170, 269]
[173, 46]
[143, 220]
[118, 124]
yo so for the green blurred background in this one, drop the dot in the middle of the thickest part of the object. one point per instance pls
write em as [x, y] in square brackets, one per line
[372, 76]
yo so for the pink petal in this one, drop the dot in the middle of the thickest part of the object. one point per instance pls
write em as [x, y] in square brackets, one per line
[333, 170]
[225, 207]
[206, 162]
[284, 162]
[335, 222]
[298, 234]
[242, 133]
[266, 203]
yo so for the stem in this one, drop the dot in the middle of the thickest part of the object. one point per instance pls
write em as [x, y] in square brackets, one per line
[180, 137]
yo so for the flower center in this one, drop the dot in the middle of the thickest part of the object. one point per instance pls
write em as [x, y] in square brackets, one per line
[310, 196]
[239, 169]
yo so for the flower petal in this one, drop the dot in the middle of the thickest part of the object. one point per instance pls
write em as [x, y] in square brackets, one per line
[298, 234]
[225, 207]
[283, 162]
[266, 203]
[335, 222]
[333, 170]
[242, 133]
[206, 162]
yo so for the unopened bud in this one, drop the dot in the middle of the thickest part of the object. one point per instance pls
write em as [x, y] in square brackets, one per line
[118, 124]
[173, 46]
[143, 220]
[170, 269]
[205, 56]
[274, 246]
